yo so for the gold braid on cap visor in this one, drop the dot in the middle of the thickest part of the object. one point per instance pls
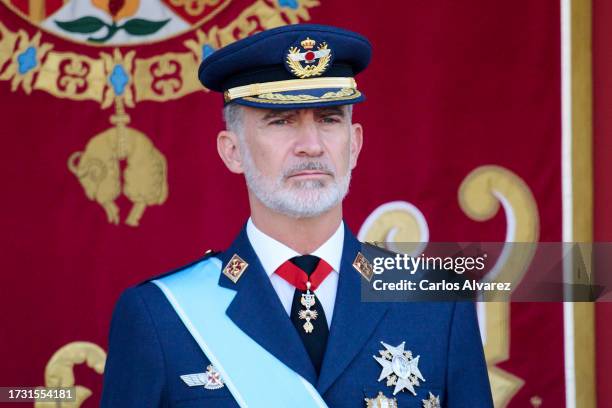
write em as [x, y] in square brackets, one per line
[289, 85]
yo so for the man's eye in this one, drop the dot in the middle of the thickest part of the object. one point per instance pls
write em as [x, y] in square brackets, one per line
[279, 122]
[330, 119]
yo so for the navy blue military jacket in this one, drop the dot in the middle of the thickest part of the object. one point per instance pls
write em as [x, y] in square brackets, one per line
[150, 348]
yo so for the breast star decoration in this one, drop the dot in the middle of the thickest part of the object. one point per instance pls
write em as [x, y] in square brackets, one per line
[399, 368]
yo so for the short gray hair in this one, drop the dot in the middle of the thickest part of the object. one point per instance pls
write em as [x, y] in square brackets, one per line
[232, 116]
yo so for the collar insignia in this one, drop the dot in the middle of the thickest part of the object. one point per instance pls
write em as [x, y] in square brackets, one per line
[211, 379]
[381, 402]
[400, 368]
[308, 59]
[235, 268]
[363, 266]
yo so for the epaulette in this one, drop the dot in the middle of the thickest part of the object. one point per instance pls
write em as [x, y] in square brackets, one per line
[375, 248]
[208, 254]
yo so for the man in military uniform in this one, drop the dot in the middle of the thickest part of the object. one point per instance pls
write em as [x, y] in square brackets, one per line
[276, 320]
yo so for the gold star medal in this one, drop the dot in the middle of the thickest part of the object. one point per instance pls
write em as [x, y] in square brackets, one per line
[399, 368]
[381, 401]
[432, 402]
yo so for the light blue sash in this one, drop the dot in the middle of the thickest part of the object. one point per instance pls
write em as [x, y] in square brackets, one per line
[255, 377]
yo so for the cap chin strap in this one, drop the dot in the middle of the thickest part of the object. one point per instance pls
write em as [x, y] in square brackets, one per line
[288, 85]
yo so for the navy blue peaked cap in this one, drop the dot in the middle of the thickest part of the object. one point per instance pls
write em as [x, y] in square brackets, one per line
[290, 67]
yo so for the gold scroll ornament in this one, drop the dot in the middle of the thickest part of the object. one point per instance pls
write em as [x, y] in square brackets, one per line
[396, 222]
[194, 7]
[480, 196]
[60, 371]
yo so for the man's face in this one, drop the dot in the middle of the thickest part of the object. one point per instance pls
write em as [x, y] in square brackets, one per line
[298, 162]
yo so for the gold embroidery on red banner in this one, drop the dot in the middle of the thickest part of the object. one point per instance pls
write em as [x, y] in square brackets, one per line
[98, 169]
[123, 80]
[59, 371]
[194, 7]
[25, 60]
[158, 78]
[480, 195]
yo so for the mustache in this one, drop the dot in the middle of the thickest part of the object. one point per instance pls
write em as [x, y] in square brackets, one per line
[309, 166]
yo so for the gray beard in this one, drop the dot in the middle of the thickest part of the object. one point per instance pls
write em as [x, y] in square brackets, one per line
[304, 199]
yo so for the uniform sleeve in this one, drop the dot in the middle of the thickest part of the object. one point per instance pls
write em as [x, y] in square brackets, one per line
[134, 375]
[467, 378]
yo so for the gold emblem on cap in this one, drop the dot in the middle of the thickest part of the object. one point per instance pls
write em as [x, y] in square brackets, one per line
[308, 43]
[301, 62]
[235, 268]
[381, 401]
[363, 266]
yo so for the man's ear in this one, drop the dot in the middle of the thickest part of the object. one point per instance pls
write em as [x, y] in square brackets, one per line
[356, 143]
[227, 147]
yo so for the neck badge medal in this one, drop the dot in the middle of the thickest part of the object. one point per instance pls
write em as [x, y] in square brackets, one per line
[308, 301]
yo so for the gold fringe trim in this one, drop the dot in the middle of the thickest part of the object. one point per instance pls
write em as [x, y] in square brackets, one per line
[276, 98]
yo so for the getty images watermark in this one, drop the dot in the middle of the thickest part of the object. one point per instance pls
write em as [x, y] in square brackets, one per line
[414, 264]
[518, 272]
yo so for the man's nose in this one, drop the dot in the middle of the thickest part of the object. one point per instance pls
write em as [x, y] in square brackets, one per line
[308, 140]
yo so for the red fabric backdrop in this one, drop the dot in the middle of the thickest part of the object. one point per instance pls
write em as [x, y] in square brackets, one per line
[452, 86]
[602, 143]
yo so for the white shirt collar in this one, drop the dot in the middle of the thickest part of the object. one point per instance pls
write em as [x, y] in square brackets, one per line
[273, 253]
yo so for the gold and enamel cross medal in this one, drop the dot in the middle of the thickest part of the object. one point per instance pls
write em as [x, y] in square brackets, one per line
[301, 281]
[308, 301]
